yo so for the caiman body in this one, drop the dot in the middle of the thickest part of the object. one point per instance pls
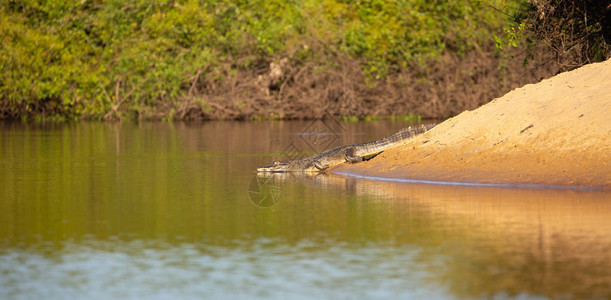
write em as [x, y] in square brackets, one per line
[348, 153]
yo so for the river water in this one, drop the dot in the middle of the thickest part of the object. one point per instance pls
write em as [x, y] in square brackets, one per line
[159, 211]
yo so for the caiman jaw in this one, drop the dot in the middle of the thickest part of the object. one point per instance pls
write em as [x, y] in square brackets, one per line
[276, 167]
[286, 167]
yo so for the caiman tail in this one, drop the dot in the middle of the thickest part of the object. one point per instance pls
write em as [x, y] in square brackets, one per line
[375, 147]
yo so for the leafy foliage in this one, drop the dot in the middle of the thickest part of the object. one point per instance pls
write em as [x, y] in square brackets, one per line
[122, 59]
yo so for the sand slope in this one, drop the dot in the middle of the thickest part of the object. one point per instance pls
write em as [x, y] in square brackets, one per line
[557, 131]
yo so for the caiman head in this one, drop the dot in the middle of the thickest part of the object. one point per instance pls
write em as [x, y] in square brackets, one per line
[285, 167]
[275, 167]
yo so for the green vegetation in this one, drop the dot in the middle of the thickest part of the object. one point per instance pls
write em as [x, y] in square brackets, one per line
[115, 59]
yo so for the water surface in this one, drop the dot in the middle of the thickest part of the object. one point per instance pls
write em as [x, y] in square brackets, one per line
[156, 210]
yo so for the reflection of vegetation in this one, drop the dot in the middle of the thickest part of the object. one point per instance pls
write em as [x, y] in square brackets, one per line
[153, 182]
[518, 265]
[122, 59]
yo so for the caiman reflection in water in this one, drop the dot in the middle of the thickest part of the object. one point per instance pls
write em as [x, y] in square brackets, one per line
[352, 153]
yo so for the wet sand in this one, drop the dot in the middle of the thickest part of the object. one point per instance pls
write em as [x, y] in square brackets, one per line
[555, 132]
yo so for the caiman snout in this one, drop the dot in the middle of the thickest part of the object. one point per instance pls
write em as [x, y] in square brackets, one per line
[277, 166]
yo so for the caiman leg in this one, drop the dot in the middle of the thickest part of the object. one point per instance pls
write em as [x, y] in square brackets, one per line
[351, 157]
[320, 166]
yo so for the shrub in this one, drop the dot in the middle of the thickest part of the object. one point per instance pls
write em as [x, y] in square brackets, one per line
[125, 59]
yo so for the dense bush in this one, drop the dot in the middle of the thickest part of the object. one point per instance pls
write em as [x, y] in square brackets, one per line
[124, 59]
[578, 31]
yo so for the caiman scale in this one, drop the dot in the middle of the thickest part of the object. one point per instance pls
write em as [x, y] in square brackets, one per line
[348, 153]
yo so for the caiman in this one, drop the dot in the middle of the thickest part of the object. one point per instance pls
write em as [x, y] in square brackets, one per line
[348, 153]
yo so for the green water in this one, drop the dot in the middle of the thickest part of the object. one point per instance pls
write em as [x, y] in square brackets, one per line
[156, 210]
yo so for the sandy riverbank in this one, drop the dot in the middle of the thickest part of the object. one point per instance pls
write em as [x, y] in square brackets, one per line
[556, 132]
